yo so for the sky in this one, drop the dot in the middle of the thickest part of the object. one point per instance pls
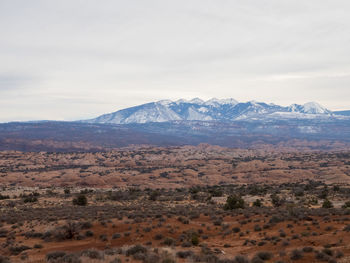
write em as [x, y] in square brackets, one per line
[77, 59]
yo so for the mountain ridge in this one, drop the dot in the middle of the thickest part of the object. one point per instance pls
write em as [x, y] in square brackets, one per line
[225, 110]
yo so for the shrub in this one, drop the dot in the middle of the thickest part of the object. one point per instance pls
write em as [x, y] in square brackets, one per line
[257, 228]
[327, 204]
[3, 232]
[236, 230]
[195, 239]
[339, 254]
[103, 237]
[38, 246]
[321, 256]
[158, 237]
[55, 255]
[184, 254]
[264, 255]
[327, 251]
[241, 259]
[69, 258]
[276, 200]
[347, 204]
[257, 203]
[86, 225]
[89, 233]
[92, 253]
[18, 249]
[234, 202]
[169, 241]
[308, 249]
[136, 249]
[154, 195]
[3, 197]
[296, 254]
[4, 260]
[30, 199]
[116, 235]
[80, 200]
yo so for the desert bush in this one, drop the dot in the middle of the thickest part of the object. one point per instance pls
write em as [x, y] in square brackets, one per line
[158, 237]
[89, 233]
[67, 258]
[308, 249]
[169, 241]
[85, 225]
[327, 251]
[327, 204]
[38, 246]
[15, 250]
[4, 259]
[257, 260]
[116, 236]
[136, 249]
[154, 195]
[339, 254]
[183, 220]
[32, 234]
[321, 256]
[241, 259]
[3, 232]
[30, 199]
[347, 228]
[55, 255]
[264, 255]
[257, 203]
[184, 254]
[236, 230]
[103, 237]
[276, 200]
[346, 205]
[93, 254]
[257, 228]
[3, 197]
[195, 239]
[234, 202]
[80, 200]
[296, 254]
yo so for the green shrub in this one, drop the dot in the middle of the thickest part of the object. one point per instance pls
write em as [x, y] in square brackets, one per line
[327, 204]
[80, 200]
[234, 202]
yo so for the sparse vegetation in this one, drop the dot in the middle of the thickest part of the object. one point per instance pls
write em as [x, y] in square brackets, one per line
[282, 222]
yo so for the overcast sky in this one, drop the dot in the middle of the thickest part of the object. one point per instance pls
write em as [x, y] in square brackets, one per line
[73, 59]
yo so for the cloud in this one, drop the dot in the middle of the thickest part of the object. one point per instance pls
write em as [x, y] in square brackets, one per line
[90, 57]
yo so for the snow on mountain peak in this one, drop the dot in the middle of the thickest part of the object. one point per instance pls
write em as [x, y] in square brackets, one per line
[215, 101]
[315, 108]
[165, 102]
[213, 109]
[196, 101]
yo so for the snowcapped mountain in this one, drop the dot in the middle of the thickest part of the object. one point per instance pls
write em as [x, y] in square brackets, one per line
[224, 110]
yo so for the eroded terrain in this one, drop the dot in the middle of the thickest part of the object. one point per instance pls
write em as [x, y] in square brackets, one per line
[171, 167]
[177, 204]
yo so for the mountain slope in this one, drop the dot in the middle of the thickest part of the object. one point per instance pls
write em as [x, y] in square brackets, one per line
[225, 110]
[343, 113]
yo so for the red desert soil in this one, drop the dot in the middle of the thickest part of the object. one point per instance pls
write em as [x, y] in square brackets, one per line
[171, 167]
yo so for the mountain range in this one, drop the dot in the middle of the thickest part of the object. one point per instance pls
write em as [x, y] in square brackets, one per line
[222, 110]
[225, 122]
